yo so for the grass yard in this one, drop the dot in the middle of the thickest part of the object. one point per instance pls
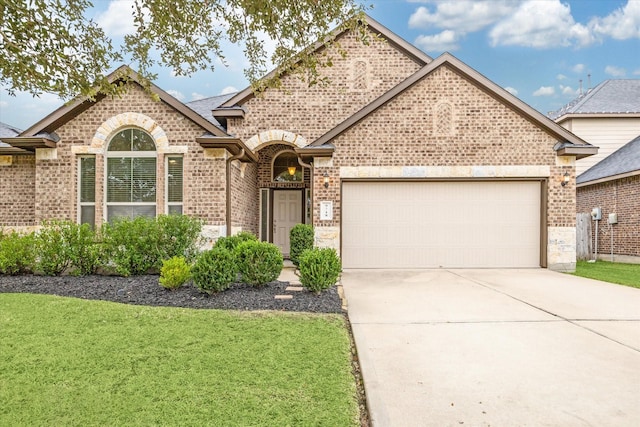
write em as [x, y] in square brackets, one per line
[73, 362]
[622, 274]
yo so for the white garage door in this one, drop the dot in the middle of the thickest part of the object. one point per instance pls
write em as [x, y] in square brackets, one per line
[456, 224]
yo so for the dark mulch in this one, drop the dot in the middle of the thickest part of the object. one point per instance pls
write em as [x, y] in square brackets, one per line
[145, 290]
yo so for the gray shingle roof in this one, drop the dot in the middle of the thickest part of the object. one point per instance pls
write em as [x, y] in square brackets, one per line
[7, 131]
[610, 96]
[204, 106]
[624, 160]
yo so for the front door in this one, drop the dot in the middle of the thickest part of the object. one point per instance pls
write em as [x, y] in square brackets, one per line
[287, 212]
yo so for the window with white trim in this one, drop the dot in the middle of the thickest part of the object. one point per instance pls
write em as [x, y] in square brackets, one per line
[174, 197]
[131, 175]
[87, 190]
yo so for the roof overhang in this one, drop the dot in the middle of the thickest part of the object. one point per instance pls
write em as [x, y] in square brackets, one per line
[12, 151]
[310, 152]
[30, 143]
[578, 150]
[623, 115]
[608, 178]
[228, 112]
[231, 144]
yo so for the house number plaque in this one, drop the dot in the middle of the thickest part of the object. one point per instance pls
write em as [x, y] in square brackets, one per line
[326, 211]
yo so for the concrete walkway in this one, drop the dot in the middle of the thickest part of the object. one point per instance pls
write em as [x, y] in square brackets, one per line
[495, 348]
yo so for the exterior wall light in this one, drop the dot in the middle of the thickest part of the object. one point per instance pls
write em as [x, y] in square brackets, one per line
[326, 180]
[565, 179]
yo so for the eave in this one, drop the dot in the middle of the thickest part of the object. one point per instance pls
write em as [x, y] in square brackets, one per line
[571, 116]
[608, 178]
[310, 152]
[579, 151]
[227, 112]
[231, 144]
[30, 143]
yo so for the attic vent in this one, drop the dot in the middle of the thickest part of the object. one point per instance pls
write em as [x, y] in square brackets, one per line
[360, 78]
[444, 119]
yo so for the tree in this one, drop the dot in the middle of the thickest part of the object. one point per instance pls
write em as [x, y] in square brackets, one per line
[51, 46]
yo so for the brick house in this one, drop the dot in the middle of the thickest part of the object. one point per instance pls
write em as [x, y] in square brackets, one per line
[403, 161]
[608, 116]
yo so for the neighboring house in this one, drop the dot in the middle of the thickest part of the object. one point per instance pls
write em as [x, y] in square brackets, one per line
[607, 116]
[404, 161]
[613, 185]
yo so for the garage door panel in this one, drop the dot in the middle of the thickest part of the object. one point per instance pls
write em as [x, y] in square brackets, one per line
[441, 224]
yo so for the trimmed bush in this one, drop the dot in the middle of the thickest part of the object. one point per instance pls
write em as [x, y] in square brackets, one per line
[17, 253]
[319, 268]
[214, 270]
[258, 262]
[131, 245]
[301, 237]
[174, 273]
[231, 243]
[63, 245]
[179, 235]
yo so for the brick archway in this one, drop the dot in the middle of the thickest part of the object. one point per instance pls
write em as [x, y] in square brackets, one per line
[115, 123]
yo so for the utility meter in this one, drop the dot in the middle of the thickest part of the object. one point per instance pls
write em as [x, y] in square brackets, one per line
[596, 214]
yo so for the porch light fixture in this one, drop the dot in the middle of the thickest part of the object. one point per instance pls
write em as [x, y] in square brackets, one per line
[326, 180]
[565, 179]
[292, 170]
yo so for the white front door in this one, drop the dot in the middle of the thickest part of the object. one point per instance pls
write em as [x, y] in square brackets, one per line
[287, 212]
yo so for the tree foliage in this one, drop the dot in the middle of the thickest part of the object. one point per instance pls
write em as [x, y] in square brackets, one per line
[52, 46]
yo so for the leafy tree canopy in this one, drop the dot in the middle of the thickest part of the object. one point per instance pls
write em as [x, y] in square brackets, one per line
[51, 46]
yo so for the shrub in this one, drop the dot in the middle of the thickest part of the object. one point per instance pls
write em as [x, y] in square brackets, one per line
[17, 253]
[301, 237]
[64, 244]
[231, 243]
[179, 235]
[214, 270]
[131, 245]
[85, 251]
[258, 262]
[174, 273]
[319, 268]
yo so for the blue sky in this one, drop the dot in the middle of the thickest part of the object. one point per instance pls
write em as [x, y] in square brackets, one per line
[539, 50]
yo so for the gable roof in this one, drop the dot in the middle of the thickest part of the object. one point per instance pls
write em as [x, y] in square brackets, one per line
[623, 162]
[72, 109]
[572, 145]
[609, 97]
[401, 44]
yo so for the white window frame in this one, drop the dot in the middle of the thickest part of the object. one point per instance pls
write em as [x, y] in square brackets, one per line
[128, 154]
[167, 157]
[80, 203]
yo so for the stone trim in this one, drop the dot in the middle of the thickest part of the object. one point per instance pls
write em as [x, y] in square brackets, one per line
[561, 249]
[107, 129]
[46, 153]
[275, 136]
[533, 171]
[6, 160]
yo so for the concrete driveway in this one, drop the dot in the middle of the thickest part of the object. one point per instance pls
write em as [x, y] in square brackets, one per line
[525, 347]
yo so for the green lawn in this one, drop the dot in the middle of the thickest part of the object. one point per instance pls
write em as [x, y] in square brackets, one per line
[70, 362]
[622, 274]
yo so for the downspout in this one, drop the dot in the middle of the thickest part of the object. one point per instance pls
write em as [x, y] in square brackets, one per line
[310, 166]
[229, 160]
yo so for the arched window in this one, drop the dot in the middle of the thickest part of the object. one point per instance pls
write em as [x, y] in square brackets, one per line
[286, 168]
[131, 175]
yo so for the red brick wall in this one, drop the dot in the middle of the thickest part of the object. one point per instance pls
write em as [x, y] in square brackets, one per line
[620, 196]
[17, 192]
[245, 198]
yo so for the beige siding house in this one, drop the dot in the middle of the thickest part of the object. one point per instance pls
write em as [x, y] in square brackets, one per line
[403, 161]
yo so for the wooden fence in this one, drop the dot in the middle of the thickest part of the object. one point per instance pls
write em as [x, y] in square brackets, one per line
[584, 249]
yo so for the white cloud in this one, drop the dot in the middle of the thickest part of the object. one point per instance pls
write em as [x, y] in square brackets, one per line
[227, 90]
[545, 91]
[463, 15]
[561, 77]
[568, 90]
[614, 71]
[636, 72]
[444, 41]
[117, 20]
[578, 68]
[541, 25]
[196, 96]
[176, 94]
[621, 24]
[511, 90]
